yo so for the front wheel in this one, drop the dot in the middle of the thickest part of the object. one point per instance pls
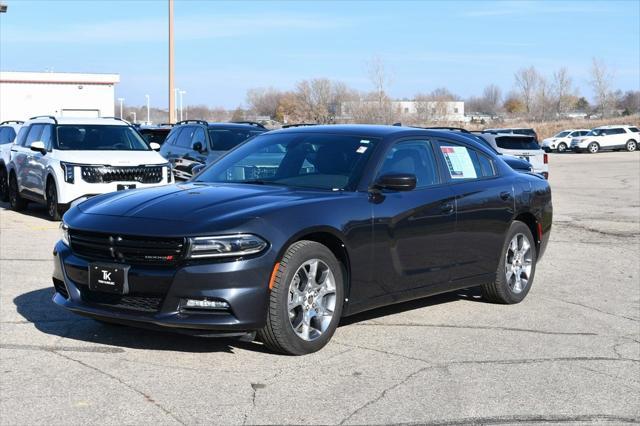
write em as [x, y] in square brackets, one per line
[516, 269]
[305, 304]
[593, 147]
[631, 145]
[53, 208]
[562, 147]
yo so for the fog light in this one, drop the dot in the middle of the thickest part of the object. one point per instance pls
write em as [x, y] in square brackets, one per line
[206, 304]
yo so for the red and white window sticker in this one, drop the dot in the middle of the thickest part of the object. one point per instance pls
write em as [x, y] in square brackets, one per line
[458, 162]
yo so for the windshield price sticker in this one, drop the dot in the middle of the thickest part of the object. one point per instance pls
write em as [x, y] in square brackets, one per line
[458, 162]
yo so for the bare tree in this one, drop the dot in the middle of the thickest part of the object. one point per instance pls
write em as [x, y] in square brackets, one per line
[543, 99]
[491, 97]
[601, 82]
[562, 91]
[527, 80]
[382, 111]
[264, 101]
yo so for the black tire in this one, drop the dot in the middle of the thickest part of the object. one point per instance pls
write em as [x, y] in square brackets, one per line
[501, 290]
[54, 210]
[593, 148]
[562, 147]
[631, 145]
[17, 202]
[278, 333]
[4, 185]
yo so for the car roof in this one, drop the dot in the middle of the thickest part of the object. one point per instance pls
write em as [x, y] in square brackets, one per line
[100, 121]
[613, 126]
[234, 126]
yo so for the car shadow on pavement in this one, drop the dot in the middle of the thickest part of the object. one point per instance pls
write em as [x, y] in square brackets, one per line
[470, 294]
[34, 210]
[37, 308]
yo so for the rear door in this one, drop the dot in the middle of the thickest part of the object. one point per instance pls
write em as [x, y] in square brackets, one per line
[484, 209]
[25, 162]
[181, 148]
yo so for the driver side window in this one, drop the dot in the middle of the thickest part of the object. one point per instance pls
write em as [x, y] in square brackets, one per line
[412, 157]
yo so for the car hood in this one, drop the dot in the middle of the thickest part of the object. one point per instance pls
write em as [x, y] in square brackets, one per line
[111, 158]
[197, 202]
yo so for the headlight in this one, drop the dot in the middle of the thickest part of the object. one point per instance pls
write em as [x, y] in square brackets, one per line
[69, 172]
[225, 246]
[64, 233]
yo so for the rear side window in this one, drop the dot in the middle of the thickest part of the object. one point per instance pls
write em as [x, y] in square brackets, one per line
[634, 129]
[483, 164]
[226, 139]
[617, 131]
[516, 142]
[461, 163]
[7, 135]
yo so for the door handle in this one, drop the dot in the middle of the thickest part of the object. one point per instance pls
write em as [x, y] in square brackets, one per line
[446, 208]
[505, 195]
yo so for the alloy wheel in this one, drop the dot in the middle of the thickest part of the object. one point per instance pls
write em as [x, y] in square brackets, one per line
[312, 299]
[518, 263]
[631, 146]
[52, 200]
[593, 148]
[562, 147]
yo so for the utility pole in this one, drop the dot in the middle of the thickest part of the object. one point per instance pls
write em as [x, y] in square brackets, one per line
[148, 113]
[121, 102]
[172, 100]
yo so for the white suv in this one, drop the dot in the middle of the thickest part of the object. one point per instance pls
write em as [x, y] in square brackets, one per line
[522, 146]
[562, 141]
[8, 132]
[608, 138]
[60, 161]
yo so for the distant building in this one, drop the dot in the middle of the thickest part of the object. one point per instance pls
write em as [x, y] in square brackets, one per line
[450, 111]
[26, 94]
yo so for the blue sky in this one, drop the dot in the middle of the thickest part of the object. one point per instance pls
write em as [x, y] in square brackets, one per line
[223, 48]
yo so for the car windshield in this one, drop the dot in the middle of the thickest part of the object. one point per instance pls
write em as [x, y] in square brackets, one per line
[226, 139]
[562, 134]
[94, 137]
[306, 160]
[596, 132]
[516, 142]
[154, 135]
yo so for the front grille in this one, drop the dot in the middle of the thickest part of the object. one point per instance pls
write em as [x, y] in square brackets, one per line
[107, 174]
[61, 288]
[127, 249]
[131, 302]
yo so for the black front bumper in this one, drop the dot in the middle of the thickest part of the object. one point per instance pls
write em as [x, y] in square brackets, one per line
[157, 294]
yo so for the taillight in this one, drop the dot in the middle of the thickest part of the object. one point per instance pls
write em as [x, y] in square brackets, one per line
[546, 159]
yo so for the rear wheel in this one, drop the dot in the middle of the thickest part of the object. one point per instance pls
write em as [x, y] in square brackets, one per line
[17, 202]
[593, 147]
[562, 147]
[53, 208]
[4, 185]
[517, 267]
[306, 300]
[631, 145]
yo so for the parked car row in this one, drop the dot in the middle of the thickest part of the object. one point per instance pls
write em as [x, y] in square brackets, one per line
[604, 138]
[61, 161]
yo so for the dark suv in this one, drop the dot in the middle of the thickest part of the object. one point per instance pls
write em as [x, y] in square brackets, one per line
[195, 142]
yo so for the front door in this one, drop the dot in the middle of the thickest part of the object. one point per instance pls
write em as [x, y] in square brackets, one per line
[412, 230]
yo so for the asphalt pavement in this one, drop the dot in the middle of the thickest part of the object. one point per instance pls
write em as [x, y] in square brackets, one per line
[570, 353]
